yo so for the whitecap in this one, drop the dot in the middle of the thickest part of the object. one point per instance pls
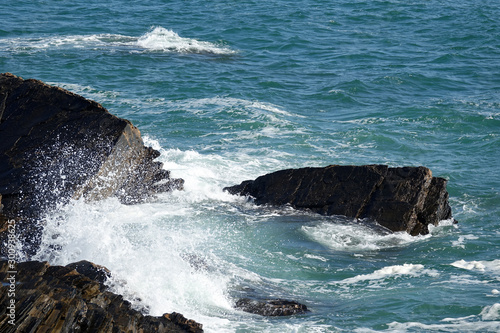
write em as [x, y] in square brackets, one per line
[161, 39]
[479, 265]
[491, 312]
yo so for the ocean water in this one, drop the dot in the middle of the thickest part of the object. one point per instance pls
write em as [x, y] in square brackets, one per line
[228, 91]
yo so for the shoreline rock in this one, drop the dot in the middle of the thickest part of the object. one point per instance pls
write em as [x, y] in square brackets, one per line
[56, 146]
[400, 199]
[63, 299]
[271, 307]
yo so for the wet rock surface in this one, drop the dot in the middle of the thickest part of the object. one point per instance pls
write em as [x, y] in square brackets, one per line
[270, 307]
[400, 199]
[61, 299]
[56, 145]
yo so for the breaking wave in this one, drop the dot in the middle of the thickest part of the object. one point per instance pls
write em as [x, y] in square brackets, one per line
[161, 39]
[157, 39]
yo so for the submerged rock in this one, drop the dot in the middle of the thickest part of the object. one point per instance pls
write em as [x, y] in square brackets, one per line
[400, 199]
[56, 145]
[271, 308]
[61, 299]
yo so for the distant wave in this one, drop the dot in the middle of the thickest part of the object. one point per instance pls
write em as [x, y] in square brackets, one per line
[157, 39]
[161, 39]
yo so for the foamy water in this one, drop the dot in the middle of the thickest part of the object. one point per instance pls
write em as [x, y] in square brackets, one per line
[157, 39]
[185, 251]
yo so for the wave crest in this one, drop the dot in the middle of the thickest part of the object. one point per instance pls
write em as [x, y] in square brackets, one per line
[157, 39]
[161, 39]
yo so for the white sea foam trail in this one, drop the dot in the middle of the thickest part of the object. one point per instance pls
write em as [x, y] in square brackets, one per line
[157, 39]
[392, 271]
[96, 41]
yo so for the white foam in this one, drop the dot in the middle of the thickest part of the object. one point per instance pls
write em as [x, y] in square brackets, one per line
[390, 272]
[161, 39]
[459, 326]
[462, 279]
[34, 44]
[460, 242]
[146, 246]
[486, 321]
[491, 312]
[155, 247]
[479, 266]
[205, 175]
[157, 39]
[316, 257]
[357, 236]
[253, 109]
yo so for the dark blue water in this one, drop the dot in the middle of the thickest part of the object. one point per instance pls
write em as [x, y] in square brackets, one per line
[228, 91]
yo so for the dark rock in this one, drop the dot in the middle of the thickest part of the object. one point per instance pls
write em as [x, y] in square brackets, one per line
[278, 307]
[188, 324]
[60, 299]
[56, 145]
[400, 199]
[92, 271]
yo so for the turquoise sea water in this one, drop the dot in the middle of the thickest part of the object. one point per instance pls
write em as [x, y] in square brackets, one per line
[228, 91]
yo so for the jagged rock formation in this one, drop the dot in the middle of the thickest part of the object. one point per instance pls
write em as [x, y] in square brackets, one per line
[271, 308]
[400, 199]
[56, 145]
[62, 299]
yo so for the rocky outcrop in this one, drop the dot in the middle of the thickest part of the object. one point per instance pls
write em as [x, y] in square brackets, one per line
[271, 308]
[61, 299]
[56, 145]
[400, 199]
